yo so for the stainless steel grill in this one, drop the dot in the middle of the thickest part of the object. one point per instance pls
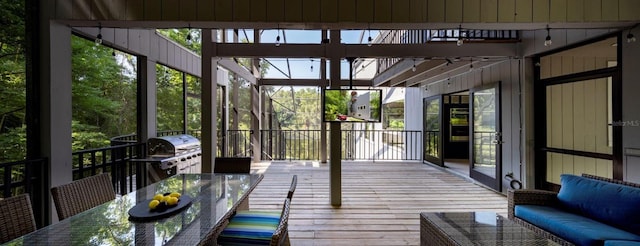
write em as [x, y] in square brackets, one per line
[170, 155]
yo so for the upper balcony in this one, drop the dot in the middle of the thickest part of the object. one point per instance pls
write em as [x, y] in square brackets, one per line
[423, 70]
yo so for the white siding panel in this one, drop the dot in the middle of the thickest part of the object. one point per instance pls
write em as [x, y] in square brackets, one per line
[579, 116]
[566, 112]
[171, 54]
[163, 50]
[590, 119]
[121, 37]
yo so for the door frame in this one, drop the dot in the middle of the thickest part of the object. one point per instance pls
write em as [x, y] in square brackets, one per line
[434, 160]
[494, 183]
[540, 112]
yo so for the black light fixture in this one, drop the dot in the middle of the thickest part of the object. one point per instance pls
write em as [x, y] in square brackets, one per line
[630, 37]
[414, 65]
[369, 40]
[547, 40]
[311, 68]
[460, 41]
[189, 42]
[278, 38]
[99, 37]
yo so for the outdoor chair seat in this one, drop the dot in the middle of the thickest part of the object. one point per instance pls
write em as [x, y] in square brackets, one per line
[246, 232]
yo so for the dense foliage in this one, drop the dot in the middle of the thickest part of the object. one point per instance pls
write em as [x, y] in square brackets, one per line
[103, 93]
[297, 109]
[12, 81]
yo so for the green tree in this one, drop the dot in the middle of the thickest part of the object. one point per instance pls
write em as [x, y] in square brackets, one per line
[180, 37]
[375, 104]
[169, 99]
[103, 96]
[297, 108]
[336, 102]
[12, 81]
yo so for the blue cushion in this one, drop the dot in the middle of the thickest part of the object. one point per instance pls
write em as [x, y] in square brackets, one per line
[264, 215]
[621, 243]
[613, 204]
[250, 227]
[237, 233]
[574, 228]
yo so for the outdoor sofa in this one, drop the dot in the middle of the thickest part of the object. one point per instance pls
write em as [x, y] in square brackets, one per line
[588, 210]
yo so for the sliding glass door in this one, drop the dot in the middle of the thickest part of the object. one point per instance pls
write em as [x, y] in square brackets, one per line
[486, 140]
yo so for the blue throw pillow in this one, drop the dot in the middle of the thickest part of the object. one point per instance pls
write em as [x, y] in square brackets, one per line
[610, 203]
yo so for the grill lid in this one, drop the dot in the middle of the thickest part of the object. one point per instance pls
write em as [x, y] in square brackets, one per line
[172, 145]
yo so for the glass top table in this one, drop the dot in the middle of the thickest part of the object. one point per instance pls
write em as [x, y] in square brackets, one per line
[475, 228]
[214, 196]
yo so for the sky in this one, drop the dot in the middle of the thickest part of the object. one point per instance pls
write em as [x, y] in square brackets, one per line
[301, 68]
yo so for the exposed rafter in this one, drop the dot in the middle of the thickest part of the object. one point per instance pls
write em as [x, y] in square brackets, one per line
[444, 49]
[311, 82]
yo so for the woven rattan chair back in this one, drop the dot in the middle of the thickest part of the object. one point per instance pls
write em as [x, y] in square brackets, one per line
[82, 194]
[281, 234]
[16, 217]
[294, 183]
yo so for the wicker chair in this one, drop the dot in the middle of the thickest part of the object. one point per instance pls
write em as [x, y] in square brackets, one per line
[16, 217]
[292, 188]
[263, 217]
[257, 232]
[543, 197]
[83, 194]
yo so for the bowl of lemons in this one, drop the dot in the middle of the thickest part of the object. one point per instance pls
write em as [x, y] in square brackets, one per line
[161, 205]
[164, 201]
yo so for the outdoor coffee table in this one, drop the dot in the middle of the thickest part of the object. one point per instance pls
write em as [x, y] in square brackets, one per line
[475, 228]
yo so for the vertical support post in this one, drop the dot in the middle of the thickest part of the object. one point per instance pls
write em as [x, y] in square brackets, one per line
[209, 89]
[55, 102]
[323, 126]
[33, 67]
[335, 168]
[185, 112]
[234, 99]
[146, 86]
[255, 104]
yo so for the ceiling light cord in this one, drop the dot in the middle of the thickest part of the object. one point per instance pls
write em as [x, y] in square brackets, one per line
[369, 40]
[460, 41]
[278, 38]
[189, 41]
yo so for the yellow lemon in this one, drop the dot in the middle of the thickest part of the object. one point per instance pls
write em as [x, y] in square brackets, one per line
[165, 198]
[172, 201]
[158, 197]
[175, 194]
[153, 204]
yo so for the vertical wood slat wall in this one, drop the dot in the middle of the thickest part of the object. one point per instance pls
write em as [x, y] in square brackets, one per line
[577, 117]
[360, 11]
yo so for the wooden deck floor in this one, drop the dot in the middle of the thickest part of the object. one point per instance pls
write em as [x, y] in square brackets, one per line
[381, 201]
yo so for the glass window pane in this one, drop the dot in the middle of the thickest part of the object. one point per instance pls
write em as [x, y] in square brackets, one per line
[578, 116]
